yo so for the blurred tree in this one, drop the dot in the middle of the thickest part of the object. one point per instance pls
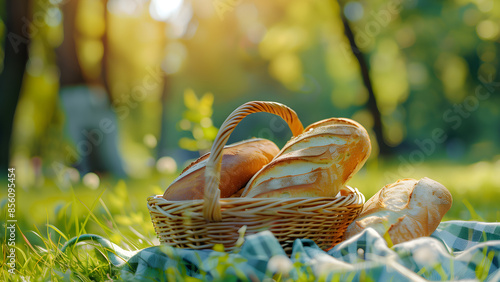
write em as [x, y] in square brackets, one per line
[384, 149]
[161, 150]
[413, 67]
[16, 18]
[87, 101]
[67, 57]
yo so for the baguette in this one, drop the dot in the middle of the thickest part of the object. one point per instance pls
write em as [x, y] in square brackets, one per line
[316, 163]
[406, 210]
[240, 161]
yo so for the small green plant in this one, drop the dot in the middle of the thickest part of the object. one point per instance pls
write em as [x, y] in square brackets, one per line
[483, 268]
[472, 211]
[221, 263]
[197, 119]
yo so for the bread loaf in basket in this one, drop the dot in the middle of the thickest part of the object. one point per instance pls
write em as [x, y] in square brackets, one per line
[202, 223]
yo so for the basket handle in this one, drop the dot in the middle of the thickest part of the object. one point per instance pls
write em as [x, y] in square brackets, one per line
[211, 204]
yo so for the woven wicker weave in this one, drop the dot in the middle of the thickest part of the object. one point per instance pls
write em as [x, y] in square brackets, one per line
[200, 224]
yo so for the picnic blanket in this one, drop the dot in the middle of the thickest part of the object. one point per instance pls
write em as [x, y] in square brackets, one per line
[457, 250]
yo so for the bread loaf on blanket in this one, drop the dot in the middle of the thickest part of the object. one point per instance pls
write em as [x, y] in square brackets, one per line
[406, 210]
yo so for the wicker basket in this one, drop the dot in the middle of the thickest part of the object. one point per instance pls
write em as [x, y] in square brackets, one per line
[200, 224]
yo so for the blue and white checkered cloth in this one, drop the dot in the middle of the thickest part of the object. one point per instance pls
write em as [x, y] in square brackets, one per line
[457, 250]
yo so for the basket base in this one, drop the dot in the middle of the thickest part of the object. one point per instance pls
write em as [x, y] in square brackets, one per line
[323, 220]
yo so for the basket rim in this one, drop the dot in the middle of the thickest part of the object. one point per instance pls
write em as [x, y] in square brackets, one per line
[231, 201]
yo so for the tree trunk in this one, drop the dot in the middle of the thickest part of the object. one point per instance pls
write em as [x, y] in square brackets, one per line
[162, 144]
[11, 80]
[162, 140]
[67, 58]
[384, 149]
[105, 52]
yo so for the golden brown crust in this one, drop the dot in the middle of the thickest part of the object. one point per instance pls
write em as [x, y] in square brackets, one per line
[323, 158]
[198, 160]
[240, 162]
[406, 209]
[296, 191]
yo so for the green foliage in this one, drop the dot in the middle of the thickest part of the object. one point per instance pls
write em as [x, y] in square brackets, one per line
[197, 119]
[425, 58]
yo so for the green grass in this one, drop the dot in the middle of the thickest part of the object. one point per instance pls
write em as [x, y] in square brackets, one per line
[48, 216]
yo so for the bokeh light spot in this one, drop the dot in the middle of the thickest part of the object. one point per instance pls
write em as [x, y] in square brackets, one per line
[485, 5]
[417, 74]
[405, 37]
[354, 11]
[364, 117]
[162, 10]
[487, 29]
[166, 165]
[287, 68]
[150, 140]
[185, 124]
[53, 17]
[91, 180]
[206, 122]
